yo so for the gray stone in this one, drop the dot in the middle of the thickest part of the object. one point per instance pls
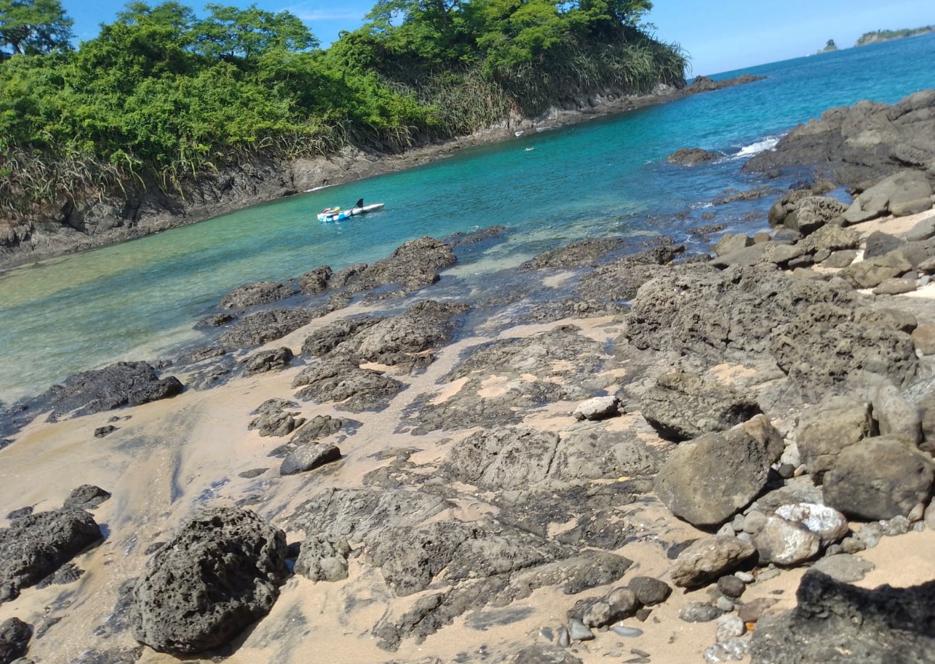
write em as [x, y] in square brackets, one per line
[872, 272]
[731, 586]
[322, 559]
[578, 631]
[649, 591]
[924, 338]
[878, 244]
[895, 414]
[810, 213]
[711, 478]
[219, 574]
[731, 243]
[309, 457]
[878, 479]
[708, 559]
[692, 156]
[895, 287]
[268, 360]
[682, 406]
[86, 497]
[14, 639]
[840, 259]
[697, 612]
[262, 292]
[729, 627]
[626, 632]
[844, 567]
[597, 408]
[832, 426]
[825, 522]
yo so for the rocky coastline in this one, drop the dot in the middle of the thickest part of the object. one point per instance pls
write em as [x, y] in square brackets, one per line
[91, 221]
[637, 452]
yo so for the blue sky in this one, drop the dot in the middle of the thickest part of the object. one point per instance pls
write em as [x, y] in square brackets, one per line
[720, 35]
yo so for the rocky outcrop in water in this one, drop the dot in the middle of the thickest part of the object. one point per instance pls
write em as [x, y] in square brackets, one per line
[220, 573]
[693, 157]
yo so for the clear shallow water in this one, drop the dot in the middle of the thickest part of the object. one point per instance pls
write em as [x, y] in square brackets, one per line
[141, 298]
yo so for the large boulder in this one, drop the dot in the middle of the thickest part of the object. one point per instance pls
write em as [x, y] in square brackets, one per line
[901, 194]
[682, 405]
[707, 560]
[219, 574]
[835, 623]
[879, 478]
[263, 292]
[785, 542]
[858, 146]
[120, 385]
[35, 546]
[830, 427]
[708, 480]
[810, 213]
[354, 387]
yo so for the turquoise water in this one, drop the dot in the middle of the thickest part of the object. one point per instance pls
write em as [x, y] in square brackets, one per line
[139, 299]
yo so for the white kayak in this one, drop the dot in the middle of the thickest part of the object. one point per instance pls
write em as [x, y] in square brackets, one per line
[337, 214]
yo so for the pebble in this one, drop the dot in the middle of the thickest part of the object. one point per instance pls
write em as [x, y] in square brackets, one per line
[733, 650]
[697, 612]
[563, 639]
[724, 604]
[917, 513]
[731, 586]
[649, 591]
[629, 632]
[898, 525]
[547, 634]
[578, 631]
[853, 545]
[729, 627]
[767, 574]
[746, 577]
[727, 530]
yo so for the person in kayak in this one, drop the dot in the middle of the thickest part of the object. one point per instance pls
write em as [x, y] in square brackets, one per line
[359, 203]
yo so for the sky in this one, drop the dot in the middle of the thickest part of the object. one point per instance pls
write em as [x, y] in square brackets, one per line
[719, 36]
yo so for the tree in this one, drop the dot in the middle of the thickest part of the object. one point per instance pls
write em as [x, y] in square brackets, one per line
[33, 27]
[229, 32]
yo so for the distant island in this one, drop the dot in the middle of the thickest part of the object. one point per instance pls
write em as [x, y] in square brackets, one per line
[889, 35]
[830, 47]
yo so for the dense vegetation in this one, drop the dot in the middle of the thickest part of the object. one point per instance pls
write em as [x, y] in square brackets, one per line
[163, 94]
[887, 35]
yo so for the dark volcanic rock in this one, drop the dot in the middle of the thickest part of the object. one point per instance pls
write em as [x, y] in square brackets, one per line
[706, 84]
[692, 156]
[219, 574]
[858, 146]
[836, 623]
[14, 639]
[344, 382]
[263, 292]
[269, 360]
[309, 457]
[119, 385]
[263, 327]
[321, 426]
[322, 559]
[577, 254]
[414, 265]
[87, 497]
[37, 545]
[316, 281]
[683, 405]
[806, 214]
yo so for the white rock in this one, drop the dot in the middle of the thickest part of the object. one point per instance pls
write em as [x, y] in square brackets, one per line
[786, 542]
[791, 456]
[826, 522]
[729, 627]
[598, 408]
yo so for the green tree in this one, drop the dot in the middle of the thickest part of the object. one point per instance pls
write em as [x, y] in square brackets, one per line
[229, 32]
[32, 27]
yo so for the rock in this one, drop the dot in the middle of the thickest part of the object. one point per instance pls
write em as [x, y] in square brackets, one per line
[901, 194]
[895, 415]
[708, 559]
[693, 156]
[35, 546]
[578, 631]
[831, 239]
[322, 559]
[649, 591]
[810, 213]
[626, 632]
[872, 272]
[840, 259]
[540, 654]
[751, 612]
[835, 623]
[355, 388]
[276, 423]
[731, 586]
[264, 326]
[120, 385]
[582, 253]
[269, 360]
[831, 427]
[929, 517]
[844, 567]
[104, 431]
[923, 230]
[785, 543]
[924, 338]
[827, 523]
[681, 406]
[597, 408]
[86, 497]
[309, 457]
[708, 480]
[729, 627]
[316, 280]
[14, 639]
[412, 266]
[320, 426]
[895, 287]
[878, 479]
[617, 605]
[698, 612]
[880, 244]
[263, 292]
[731, 243]
[219, 574]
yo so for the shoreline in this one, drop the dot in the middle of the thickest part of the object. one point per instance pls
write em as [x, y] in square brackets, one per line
[271, 182]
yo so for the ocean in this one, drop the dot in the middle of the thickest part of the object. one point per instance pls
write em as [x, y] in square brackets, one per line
[140, 299]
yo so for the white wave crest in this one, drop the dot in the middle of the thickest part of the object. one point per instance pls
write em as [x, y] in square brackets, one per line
[767, 143]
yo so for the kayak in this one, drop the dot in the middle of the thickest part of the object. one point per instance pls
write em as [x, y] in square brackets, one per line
[336, 214]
